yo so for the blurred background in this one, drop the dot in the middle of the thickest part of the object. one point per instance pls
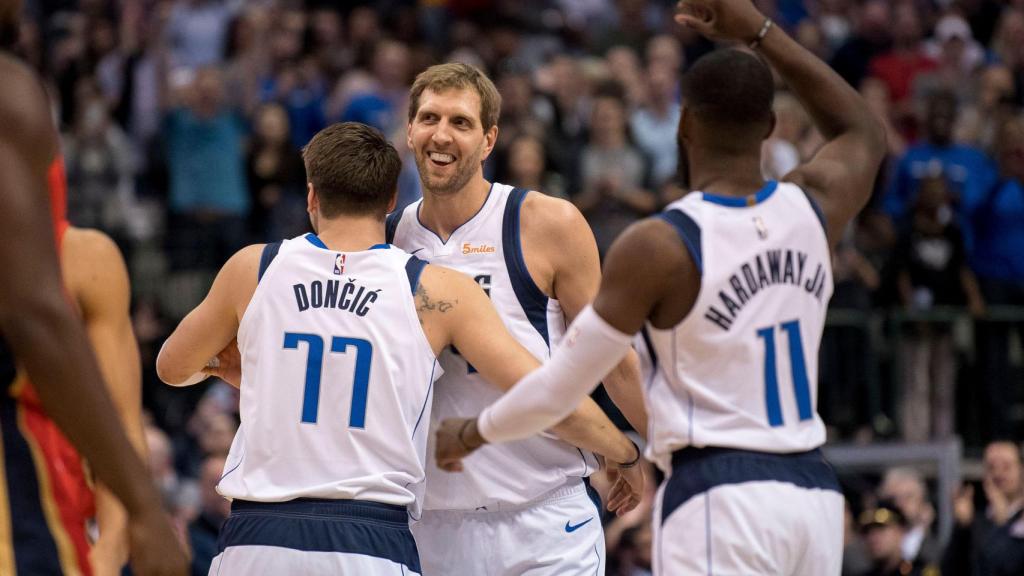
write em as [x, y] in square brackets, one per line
[182, 121]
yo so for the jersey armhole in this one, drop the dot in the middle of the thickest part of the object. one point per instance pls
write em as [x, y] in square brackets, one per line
[269, 253]
[532, 299]
[817, 210]
[413, 269]
[689, 233]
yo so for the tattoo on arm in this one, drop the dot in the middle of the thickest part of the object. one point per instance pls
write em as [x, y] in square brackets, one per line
[425, 304]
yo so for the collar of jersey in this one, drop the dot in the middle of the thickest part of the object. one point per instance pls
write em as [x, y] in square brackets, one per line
[457, 228]
[742, 202]
[316, 241]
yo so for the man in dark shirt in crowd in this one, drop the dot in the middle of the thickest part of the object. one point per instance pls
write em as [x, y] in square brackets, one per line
[990, 543]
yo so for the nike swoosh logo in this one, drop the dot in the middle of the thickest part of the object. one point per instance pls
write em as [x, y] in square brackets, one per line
[415, 251]
[572, 528]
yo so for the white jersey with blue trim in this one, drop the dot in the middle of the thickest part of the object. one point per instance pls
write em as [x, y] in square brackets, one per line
[337, 378]
[741, 370]
[487, 248]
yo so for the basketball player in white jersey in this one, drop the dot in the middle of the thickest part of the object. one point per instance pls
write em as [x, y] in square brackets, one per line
[522, 507]
[729, 288]
[338, 335]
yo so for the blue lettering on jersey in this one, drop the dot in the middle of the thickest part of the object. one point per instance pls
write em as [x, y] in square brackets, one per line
[349, 297]
[784, 267]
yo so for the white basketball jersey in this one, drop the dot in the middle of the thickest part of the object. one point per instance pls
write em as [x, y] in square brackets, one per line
[741, 370]
[487, 248]
[337, 377]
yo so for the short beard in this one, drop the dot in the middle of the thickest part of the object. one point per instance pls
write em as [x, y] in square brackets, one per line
[452, 186]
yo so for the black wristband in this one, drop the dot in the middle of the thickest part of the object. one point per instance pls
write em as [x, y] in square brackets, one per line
[634, 461]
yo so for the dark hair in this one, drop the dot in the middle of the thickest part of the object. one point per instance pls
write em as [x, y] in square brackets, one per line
[353, 169]
[731, 90]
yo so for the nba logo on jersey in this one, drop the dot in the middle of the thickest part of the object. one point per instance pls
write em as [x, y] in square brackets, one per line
[339, 265]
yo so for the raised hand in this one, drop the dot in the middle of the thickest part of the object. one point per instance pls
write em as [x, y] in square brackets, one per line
[721, 19]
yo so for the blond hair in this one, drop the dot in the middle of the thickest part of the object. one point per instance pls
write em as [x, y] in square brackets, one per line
[456, 75]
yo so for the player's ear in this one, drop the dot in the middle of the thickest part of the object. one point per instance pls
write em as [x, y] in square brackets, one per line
[312, 202]
[394, 201]
[490, 138]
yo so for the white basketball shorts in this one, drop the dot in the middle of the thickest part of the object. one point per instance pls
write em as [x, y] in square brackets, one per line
[559, 534]
[316, 537]
[738, 513]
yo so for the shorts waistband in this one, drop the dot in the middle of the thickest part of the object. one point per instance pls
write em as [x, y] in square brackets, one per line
[327, 507]
[698, 470]
[692, 454]
[568, 490]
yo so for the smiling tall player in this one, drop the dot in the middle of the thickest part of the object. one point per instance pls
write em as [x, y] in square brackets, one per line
[523, 505]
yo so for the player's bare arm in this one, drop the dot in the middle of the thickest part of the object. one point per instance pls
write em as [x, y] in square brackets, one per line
[44, 334]
[558, 245]
[841, 174]
[648, 275]
[454, 310]
[213, 325]
[97, 278]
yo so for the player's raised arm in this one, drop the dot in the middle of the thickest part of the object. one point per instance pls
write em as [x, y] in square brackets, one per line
[212, 325]
[641, 267]
[843, 171]
[42, 331]
[455, 310]
[96, 276]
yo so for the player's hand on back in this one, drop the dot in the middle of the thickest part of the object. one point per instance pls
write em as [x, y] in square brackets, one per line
[227, 365]
[456, 438]
[155, 549]
[627, 487]
[721, 19]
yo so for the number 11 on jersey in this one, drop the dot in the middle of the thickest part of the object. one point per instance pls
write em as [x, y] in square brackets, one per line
[314, 369]
[798, 366]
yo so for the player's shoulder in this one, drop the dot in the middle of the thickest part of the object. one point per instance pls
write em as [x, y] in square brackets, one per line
[245, 260]
[88, 245]
[555, 221]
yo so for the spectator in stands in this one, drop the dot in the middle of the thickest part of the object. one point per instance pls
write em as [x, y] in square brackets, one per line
[872, 38]
[197, 32]
[998, 260]
[906, 489]
[213, 511]
[967, 170]
[100, 166]
[991, 107]
[899, 66]
[884, 529]
[527, 167]
[990, 543]
[931, 267]
[613, 194]
[277, 179]
[654, 124]
[209, 197]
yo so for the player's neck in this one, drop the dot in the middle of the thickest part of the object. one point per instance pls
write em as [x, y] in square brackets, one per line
[351, 233]
[726, 176]
[444, 213]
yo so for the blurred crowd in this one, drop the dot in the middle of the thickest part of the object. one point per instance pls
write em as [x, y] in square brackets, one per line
[183, 120]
